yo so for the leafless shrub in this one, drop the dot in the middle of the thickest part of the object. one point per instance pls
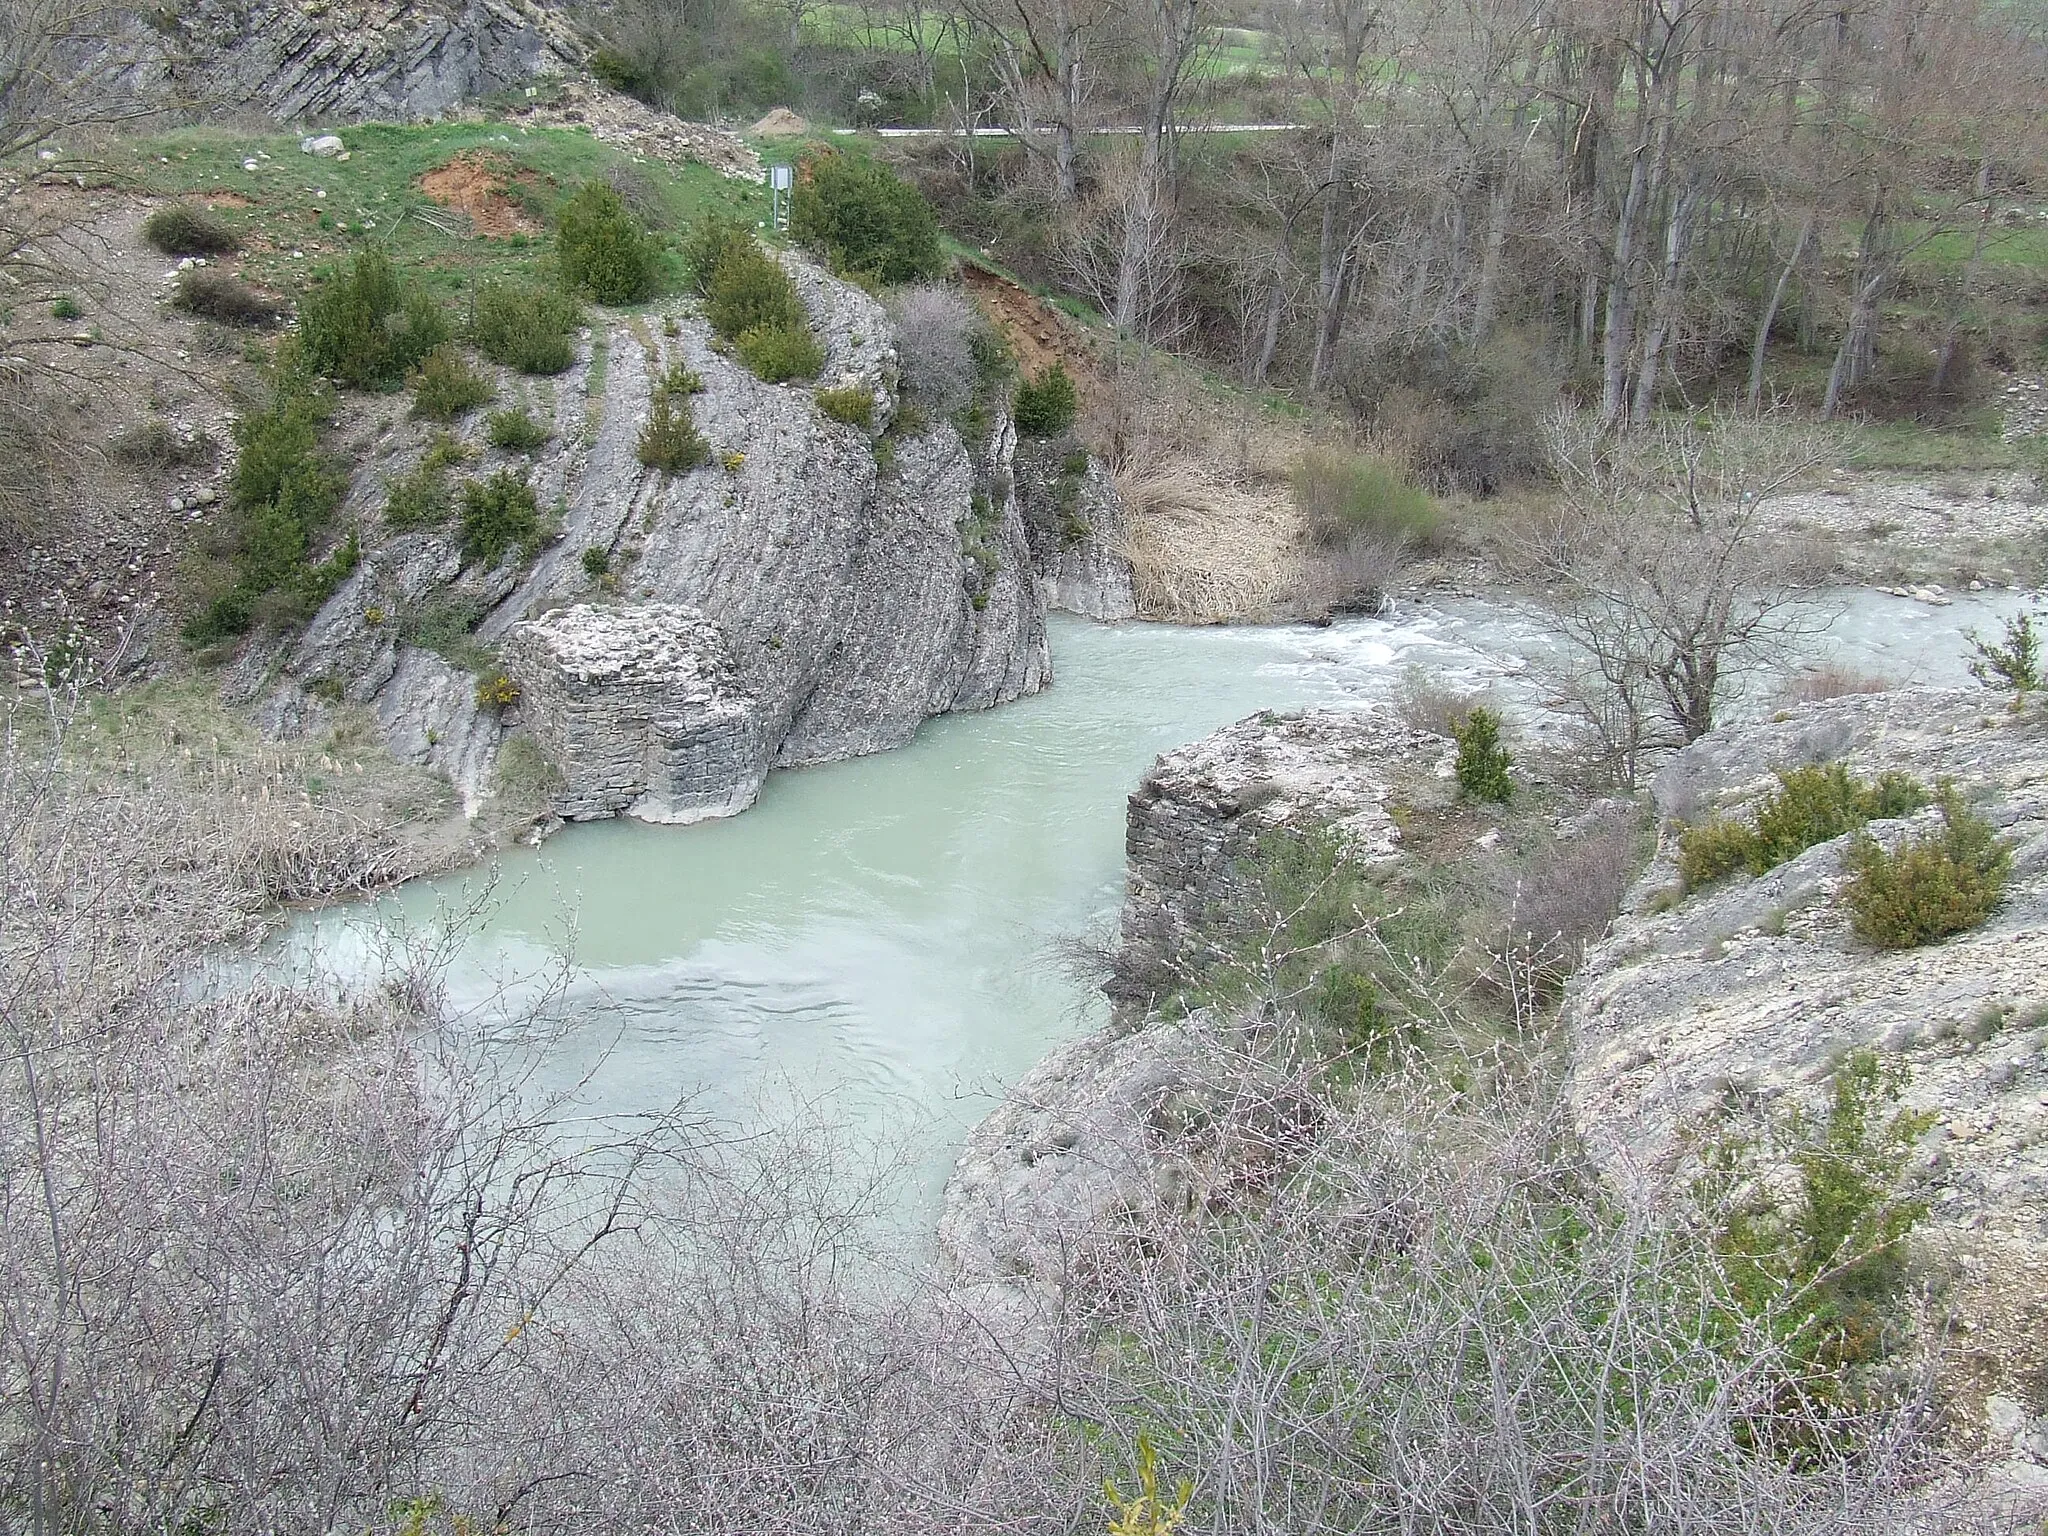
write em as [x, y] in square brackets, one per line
[1670, 584]
[261, 1248]
[157, 446]
[1357, 575]
[1426, 704]
[934, 328]
[1450, 1368]
[1832, 681]
[1569, 890]
[637, 190]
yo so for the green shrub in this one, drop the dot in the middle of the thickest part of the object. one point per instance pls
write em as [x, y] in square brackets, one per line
[1047, 403]
[2014, 665]
[751, 302]
[65, 307]
[524, 326]
[1482, 761]
[445, 387]
[517, 431]
[498, 515]
[181, 229]
[680, 380]
[866, 220]
[446, 625]
[597, 562]
[623, 72]
[419, 500]
[368, 328]
[281, 497]
[445, 452]
[750, 292]
[1810, 805]
[1713, 850]
[1345, 494]
[213, 295]
[777, 355]
[1822, 1256]
[603, 249]
[670, 441]
[1345, 1000]
[853, 405]
[710, 243]
[1932, 886]
[272, 447]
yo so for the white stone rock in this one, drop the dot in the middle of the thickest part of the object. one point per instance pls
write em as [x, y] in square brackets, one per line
[325, 145]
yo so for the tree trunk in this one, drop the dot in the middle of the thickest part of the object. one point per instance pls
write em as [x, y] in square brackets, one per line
[1857, 355]
[1770, 315]
[1619, 324]
[1486, 298]
[1670, 297]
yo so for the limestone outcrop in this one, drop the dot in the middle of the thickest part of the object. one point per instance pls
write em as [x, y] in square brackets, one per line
[350, 60]
[1078, 530]
[803, 596]
[1204, 806]
[1758, 987]
[1111, 1122]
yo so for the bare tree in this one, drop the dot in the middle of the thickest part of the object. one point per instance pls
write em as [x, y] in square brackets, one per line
[1672, 580]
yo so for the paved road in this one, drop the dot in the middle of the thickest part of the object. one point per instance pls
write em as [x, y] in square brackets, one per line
[1004, 133]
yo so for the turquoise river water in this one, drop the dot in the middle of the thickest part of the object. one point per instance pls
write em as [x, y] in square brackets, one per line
[886, 937]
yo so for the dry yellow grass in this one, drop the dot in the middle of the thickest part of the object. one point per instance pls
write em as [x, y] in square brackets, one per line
[1213, 535]
[1204, 551]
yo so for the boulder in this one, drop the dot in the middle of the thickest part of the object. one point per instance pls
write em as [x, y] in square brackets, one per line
[1135, 1116]
[1203, 807]
[643, 710]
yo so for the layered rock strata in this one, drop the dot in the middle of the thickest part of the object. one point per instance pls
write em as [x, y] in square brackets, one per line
[837, 594]
[346, 61]
[1757, 988]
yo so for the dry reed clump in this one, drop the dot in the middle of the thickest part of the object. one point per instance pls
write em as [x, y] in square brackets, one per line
[1205, 551]
[1832, 681]
[1213, 534]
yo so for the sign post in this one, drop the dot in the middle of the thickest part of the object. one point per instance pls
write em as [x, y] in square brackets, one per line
[780, 179]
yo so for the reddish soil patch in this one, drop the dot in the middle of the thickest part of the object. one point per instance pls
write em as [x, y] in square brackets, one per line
[479, 185]
[1037, 332]
[225, 199]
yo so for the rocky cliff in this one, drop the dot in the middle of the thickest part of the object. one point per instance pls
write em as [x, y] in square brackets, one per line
[1203, 807]
[343, 60]
[1758, 987]
[1125, 1118]
[807, 595]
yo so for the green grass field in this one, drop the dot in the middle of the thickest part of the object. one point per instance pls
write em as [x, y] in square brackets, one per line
[298, 215]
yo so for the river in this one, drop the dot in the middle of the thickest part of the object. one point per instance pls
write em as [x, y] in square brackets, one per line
[890, 936]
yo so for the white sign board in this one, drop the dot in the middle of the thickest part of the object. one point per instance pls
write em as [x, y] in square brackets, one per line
[780, 177]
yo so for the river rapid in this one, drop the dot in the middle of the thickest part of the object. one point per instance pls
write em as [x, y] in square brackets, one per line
[887, 944]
